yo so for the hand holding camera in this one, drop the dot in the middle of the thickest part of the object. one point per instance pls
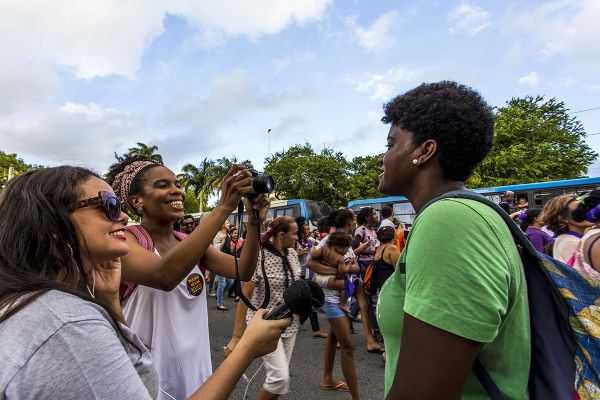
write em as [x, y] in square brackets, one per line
[241, 182]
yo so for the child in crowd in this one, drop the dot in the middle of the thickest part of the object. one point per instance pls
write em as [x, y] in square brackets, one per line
[332, 254]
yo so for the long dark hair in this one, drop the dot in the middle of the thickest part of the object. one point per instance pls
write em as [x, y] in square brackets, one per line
[39, 245]
[363, 215]
[300, 221]
[339, 218]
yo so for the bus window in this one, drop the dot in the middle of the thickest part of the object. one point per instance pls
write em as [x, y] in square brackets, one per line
[541, 197]
[317, 210]
[404, 212]
[270, 214]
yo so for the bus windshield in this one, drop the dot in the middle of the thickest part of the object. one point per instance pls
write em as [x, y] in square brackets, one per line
[316, 210]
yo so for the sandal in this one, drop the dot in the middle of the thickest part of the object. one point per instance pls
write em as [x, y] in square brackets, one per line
[338, 386]
[377, 350]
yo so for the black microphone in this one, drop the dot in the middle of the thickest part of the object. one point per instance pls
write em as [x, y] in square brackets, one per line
[297, 299]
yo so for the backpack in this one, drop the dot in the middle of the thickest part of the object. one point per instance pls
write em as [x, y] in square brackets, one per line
[564, 308]
[145, 240]
[369, 284]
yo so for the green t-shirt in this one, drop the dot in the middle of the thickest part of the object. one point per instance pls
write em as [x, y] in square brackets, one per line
[463, 275]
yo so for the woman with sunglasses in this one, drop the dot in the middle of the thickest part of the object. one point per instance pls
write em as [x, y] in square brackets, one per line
[556, 214]
[167, 306]
[61, 237]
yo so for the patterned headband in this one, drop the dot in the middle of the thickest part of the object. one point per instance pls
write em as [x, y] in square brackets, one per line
[122, 182]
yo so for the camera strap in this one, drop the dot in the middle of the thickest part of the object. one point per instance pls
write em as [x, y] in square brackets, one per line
[238, 282]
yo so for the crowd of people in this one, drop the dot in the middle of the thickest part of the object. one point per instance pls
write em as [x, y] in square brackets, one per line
[118, 310]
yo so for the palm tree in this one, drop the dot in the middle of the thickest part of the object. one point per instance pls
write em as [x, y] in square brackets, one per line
[205, 179]
[144, 150]
[198, 179]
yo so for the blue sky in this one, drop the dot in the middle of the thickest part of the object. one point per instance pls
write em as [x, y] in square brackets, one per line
[81, 80]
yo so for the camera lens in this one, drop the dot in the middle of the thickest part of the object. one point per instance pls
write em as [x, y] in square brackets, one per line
[263, 184]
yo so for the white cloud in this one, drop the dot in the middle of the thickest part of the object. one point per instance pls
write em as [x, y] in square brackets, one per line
[532, 79]
[379, 36]
[282, 63]
[101, 38]
[40, 40]
[383, 87]
[469, 19]
[75, 134]
[235, 107]
[562, 29]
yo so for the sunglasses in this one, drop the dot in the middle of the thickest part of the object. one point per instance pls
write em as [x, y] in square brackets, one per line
[188, 224]
[110, 204]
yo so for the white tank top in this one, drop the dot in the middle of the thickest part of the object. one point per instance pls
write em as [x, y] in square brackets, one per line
[174, 326]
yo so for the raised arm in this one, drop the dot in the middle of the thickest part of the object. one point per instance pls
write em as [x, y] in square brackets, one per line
[223, 264]
[165, 272]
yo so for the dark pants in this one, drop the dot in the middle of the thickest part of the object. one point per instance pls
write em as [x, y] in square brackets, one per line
[314, 319]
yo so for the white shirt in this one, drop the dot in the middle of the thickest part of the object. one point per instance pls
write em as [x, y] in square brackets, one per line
[564, 247]
[387, 222]
[174, 326]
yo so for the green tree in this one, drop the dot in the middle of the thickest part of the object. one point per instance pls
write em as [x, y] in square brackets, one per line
[217, 172]
[205, 179]
[191, 204]
[301, 173]
[142, 149]
[195, 180]
[535, 140]
[11, 161]
[364, 177]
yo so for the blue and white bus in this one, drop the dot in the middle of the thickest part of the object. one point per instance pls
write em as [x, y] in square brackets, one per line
[537, 195]
[311, 210]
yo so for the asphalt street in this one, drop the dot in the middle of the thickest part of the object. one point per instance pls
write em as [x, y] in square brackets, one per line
[306, 368]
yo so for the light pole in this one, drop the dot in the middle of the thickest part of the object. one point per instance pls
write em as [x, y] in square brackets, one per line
[269, 133]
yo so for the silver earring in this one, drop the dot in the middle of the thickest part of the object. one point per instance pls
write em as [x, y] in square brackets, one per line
[70, 249]
[139, 210]
[93, 291]
[415, 161]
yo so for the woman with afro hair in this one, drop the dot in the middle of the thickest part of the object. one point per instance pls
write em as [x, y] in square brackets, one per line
[458, 292]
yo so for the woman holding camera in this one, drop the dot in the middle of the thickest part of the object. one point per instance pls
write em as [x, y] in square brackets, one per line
[59, 282]
[167, 308]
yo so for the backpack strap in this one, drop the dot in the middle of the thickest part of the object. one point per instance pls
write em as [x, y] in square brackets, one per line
[524, 247]
[145, 240]
[142, 236]
[550, 375]
[486, 381]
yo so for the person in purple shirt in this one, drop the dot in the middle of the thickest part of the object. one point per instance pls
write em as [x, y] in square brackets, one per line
[532, 227]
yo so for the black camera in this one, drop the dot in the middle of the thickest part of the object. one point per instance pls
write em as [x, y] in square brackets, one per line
[261, 183]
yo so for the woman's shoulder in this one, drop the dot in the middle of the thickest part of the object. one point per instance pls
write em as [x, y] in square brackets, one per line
[58, 308]
[41, 319]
